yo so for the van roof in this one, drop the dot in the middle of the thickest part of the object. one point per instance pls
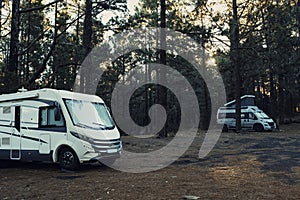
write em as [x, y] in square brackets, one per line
[242, 107]
[231, 103]
[43, 93]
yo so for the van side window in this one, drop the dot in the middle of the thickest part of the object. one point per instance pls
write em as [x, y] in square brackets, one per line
[51, 117]
[29, 117]
[226, 115]
[251, 116]
[255, 118]
[245, 115]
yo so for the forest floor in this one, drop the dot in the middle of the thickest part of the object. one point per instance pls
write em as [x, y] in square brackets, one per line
[248, 165]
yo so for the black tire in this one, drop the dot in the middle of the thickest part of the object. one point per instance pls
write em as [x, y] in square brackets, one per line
[225, 128]
[258, 127]
[68, 159]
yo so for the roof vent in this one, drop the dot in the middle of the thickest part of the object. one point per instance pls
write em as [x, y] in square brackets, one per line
[22, 90]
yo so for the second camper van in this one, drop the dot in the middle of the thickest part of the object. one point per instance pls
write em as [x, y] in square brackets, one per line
[58, 126]
[251, 118]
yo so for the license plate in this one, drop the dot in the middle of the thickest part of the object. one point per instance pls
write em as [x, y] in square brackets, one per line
[112, 151]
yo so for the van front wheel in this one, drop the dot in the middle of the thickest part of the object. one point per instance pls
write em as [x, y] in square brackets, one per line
[68, 159]
[258, 127]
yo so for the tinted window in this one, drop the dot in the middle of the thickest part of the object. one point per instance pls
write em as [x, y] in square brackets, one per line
[51, 117]
[245, 115]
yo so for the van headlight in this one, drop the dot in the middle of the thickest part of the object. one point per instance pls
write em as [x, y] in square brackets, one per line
[79, 136]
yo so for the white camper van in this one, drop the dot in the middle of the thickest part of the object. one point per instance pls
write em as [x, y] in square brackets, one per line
[251, 118]
[58, 126]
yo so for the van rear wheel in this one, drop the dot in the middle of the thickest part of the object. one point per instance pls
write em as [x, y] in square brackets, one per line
[68, 159]
[258, 127]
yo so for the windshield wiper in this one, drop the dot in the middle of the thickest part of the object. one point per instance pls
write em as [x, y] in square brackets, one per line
[103, 126]
[97, 123]
[84, 125]
[81, 125]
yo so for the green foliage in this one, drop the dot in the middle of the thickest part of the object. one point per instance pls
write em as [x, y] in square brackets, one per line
[31, 47]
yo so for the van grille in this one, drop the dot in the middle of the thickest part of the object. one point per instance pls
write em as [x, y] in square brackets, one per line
[104, 146]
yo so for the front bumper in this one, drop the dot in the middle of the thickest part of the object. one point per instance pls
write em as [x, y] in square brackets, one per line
[269, 126]
[99, 149]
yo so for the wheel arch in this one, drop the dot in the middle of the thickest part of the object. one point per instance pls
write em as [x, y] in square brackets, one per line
[258, 124]
[59, 148]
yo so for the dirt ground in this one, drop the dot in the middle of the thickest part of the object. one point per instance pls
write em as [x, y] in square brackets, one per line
[248, 165]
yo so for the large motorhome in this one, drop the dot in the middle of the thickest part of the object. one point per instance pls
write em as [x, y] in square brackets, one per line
[58, 126]
[251, 118]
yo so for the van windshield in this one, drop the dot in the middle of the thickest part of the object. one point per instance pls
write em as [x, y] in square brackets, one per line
[88, 114]
[262, 115]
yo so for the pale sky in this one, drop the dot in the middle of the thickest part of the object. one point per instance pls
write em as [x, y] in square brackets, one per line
[107, 15]
[131, 4]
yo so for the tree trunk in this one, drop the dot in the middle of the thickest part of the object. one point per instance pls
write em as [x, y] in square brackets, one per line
[56, 77]
[77, 60]
[264, 99]
[1, 1]
[298, 16]
[87, 41]
[235, 61]
[27, 67]
[281, 104]
[14, 39]
[273, 99]
[162, 94]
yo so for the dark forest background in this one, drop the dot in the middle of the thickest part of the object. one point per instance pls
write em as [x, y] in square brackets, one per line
[255, 45]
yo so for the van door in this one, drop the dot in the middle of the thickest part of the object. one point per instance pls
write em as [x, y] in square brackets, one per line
[247, 120]
[44, 147]
[15, 137]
